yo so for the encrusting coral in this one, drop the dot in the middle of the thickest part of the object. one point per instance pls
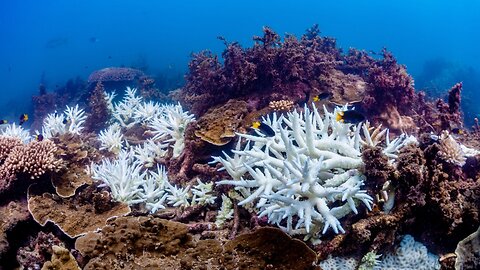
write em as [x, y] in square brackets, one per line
[168, 245]
[69, 213]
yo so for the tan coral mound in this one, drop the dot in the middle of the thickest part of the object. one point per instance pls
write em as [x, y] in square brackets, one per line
[62, 259]
[77, 153]
[85, 212]
[154, 243]
[217, 126]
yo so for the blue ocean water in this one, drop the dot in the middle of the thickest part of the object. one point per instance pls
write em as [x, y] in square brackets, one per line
[52, 41]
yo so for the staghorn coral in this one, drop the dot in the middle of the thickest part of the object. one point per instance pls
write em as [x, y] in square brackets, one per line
[14, 131]
[218, 125]
[170, 127]
[310, 168]
[71, 121]
[69, 213]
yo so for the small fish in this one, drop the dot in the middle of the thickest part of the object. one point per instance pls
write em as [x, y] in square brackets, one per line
[349, 117]
[3, 122]
[322, 96]
[457, 131]
[23, 118]
[65, 121]
[263, 128]
[39, 137]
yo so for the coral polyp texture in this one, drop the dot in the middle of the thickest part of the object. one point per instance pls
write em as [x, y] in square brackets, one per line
[289, 154]
[311, 168]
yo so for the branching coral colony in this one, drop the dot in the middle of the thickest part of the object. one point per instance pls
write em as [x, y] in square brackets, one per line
[131, 176]
[311, 168]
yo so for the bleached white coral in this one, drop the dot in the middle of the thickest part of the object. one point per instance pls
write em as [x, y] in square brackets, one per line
[146, 153]
[71, 121]
[225, 213]
[123, 176]
[14, 131]
[153, 190]
[124, 111]
[146, 111]
[409, 255]
[109, 99]
[75, 119]
[310, 168]
[202, 193]
[111, 139]
[170, 126]
[339, 263]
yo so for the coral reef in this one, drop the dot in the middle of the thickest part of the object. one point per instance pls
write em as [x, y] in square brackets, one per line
[98, 114]
[258, 166]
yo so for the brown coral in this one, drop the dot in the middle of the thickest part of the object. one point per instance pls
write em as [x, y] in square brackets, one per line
[218, 125]
[34, 159]
[69, 214]
[450, 150]
[115, 74]
[147, 242]
[62, 259]
[77, 152]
